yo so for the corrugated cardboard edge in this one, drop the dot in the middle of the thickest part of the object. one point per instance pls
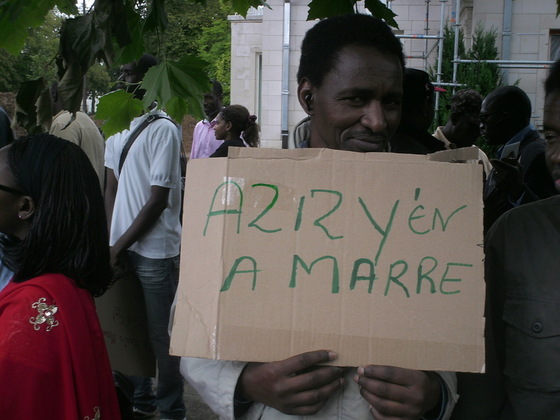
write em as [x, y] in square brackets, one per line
[202, 320]
[462, 155]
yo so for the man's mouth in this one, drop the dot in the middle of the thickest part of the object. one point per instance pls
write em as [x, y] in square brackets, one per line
[365, 143]
[556, 178]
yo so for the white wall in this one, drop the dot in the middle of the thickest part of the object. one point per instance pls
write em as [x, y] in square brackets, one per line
[263, 34]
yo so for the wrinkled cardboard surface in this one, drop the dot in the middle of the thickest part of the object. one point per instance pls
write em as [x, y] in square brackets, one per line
[122, 315]
[283, 298]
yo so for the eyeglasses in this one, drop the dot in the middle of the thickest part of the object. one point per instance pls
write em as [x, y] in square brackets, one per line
[10, 190]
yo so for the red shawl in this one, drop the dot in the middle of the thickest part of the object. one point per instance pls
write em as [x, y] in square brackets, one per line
[53, 359]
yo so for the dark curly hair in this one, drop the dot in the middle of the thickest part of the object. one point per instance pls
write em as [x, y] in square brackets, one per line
[68, 232]
[323, 42]
[466, 101]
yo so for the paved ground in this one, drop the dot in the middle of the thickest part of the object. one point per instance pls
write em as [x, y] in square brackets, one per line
[196, 408]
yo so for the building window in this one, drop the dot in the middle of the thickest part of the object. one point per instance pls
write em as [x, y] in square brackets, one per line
[554, 53]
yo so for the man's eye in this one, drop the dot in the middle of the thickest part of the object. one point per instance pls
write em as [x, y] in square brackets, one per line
[393, 102]
[551, 137]
[355, 100]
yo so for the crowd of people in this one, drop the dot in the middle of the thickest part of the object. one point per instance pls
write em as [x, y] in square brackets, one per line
[61, 237]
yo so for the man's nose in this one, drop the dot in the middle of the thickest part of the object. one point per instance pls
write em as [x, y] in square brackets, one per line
[374, 117]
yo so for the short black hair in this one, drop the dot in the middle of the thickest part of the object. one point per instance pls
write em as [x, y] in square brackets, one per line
[217, 89]
[552, 82]
[323, 42]
[466, 101]
[513, 101]
[68, 232]
[416, 89]
[144, 63]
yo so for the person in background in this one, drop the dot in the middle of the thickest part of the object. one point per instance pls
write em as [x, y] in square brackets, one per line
[519, 172]
[204, 141]
[53, 359]
[237, 128]
[5, 273]
[6, 137]
[463, 126]
[418, 104]
[6, 133]
[143, 202]
[80, 130]
[522, 269]
[350, 85]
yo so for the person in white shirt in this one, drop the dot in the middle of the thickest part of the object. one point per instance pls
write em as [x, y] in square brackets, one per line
[143, 201]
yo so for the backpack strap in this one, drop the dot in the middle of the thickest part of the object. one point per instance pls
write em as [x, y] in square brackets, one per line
[134, 135]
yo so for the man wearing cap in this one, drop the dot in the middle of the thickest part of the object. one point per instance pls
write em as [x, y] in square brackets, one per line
[418, 103]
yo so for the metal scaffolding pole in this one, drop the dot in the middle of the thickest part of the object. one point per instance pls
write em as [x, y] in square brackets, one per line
[457, 27]
[440, 54]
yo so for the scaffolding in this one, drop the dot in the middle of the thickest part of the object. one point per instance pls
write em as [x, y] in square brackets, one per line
[504, 64]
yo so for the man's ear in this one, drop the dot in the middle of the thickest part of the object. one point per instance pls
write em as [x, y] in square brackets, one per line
[454, 117]
[26, 208]
[54, 94]
[305, 96]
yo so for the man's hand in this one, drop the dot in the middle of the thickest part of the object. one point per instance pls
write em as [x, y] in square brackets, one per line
[116, 255]
[397, 393]
[507, 175]
[293, 386]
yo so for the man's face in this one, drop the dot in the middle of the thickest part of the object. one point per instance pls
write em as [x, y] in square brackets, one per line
[491, 123]
[358, 105]
[131, 76]
[212, 105]
[467, 129]
[551, 123]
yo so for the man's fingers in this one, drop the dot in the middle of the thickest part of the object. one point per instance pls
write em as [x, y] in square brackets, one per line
[387, 408]
[315, 380]
[303, 361]
[312, 400]
[384, 390]
[390, 374]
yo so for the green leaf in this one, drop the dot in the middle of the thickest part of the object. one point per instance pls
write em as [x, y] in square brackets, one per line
[44, 110]
[67, 6]
[70, 87]
[319, 9]
[379, 10]
[87, 37]
[131, 51]
[157, 17]
[121, 13]
[16, 16]
[118, 109]
[26, 99]
[177, 86]
[241, 6]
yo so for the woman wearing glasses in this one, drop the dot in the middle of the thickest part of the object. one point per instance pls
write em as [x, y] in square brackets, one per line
[53, 360]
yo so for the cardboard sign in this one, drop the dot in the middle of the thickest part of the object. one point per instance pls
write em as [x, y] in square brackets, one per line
[376, 256]
[122, 315]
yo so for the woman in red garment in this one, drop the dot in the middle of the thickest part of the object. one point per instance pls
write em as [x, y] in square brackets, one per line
[53, 359]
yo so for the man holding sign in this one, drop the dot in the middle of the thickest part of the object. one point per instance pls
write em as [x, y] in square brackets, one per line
[350, 84]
